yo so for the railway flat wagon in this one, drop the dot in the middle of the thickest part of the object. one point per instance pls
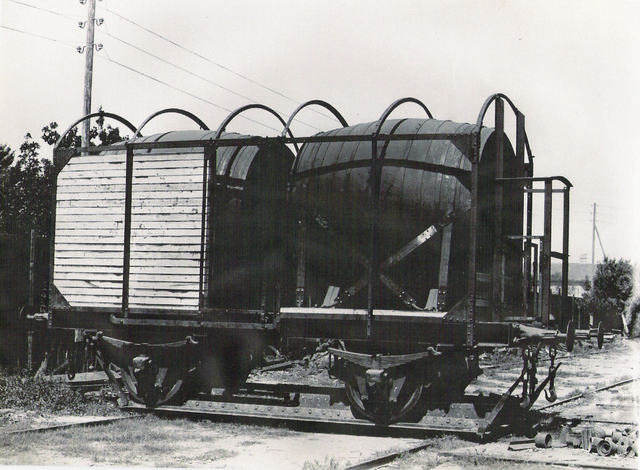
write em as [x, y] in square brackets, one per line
[407, 244]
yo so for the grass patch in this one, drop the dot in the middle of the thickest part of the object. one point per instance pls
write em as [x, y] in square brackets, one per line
[44, 396]
[218, 454]
[328, 464]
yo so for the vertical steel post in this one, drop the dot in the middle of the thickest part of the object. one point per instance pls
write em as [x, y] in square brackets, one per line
[545, 258]
[520, 156]
[374, 212]
[473, 242]
[128, 201]
[213, 172]
[302, 259]
[203, 226]
[593, 242]
[565, 253]
[497, 275]
[536, 279]
[57, 157]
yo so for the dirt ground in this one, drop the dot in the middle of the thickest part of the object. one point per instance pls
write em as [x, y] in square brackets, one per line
[154, 442]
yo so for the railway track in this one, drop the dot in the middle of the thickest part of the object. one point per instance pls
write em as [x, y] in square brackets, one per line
[304, 408]
[323, 409]
[56, 427]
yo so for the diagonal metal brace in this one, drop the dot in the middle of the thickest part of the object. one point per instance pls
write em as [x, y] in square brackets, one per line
[400, 255]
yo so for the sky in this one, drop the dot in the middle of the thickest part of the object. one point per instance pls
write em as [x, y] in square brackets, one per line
[572, 67]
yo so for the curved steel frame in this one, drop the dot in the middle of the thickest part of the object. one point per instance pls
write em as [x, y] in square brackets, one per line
[516, 111]
[230, 117]
[89, 116]
[191, 116]
[395, 105]
[322, 103]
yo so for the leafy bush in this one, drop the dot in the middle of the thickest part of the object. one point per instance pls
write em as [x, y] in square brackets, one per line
[633, 318]
[608, 295]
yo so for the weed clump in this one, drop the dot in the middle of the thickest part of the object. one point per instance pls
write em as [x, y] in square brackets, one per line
[45, 396]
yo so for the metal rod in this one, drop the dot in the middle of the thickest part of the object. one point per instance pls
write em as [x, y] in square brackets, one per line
[473, 242]
[211, 225]
[256, 140]
[203, 230]
[545, 258]
[126, 262]
[497, 274]
[525, 276]
[565, 253]
[580, 395]
[374, 214]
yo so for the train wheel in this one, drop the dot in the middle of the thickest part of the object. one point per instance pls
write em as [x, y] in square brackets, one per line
[381, 408]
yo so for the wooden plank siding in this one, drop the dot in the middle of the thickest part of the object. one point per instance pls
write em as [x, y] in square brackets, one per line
[165, 230]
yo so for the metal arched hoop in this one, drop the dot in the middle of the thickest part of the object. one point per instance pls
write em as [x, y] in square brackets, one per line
[516, 111]
[322, 103]
[393, 106]
[230, 117]
[191, 116]
[487, 103]
[92, 115]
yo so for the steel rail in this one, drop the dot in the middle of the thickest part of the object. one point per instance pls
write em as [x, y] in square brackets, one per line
[581, 395]
[305, 420]
[387, 459]
[54, 427]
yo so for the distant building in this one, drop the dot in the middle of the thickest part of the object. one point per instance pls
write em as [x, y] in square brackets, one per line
[578, 274]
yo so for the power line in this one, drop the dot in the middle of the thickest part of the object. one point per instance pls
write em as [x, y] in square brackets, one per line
[192, 73]
[215, 63]
[137, 71]
[68, 43]
[185, 92]
[43, 9]
[109, 59]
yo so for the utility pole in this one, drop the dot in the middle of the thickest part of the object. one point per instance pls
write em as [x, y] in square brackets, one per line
[88, 71]
[593, 239]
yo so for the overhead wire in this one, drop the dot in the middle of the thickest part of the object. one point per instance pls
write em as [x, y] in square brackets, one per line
[184, 91]
[70, 43]
[216, 63]
[67, 43]
[165, 61]
[44, 9]
[191, 73]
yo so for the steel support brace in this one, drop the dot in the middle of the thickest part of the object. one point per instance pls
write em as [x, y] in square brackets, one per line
[203, 230]
[212, 162]
[497, 277]
[374, 211]
[301, 268]
[473, 240]
[545, 256]
[126, 262]
[565, 254]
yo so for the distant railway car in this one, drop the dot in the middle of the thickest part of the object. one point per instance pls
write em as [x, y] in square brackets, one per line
[407, 243]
